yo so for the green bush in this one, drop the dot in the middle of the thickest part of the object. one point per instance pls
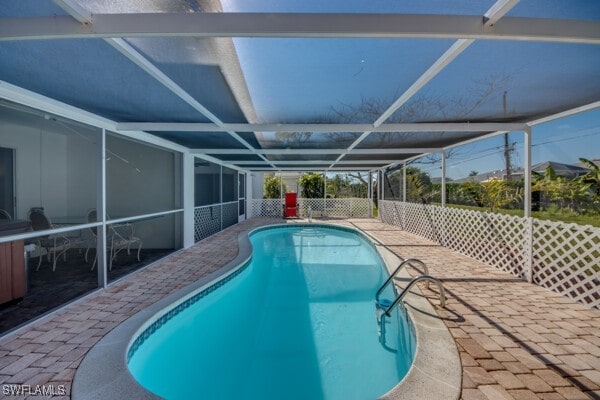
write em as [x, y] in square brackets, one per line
[272, 189]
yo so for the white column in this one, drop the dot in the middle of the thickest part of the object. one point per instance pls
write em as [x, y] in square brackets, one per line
[442, 227]
[188, 199]
[249, 194]
[527, 203]
[444, 178]
[404, 196]
[382, 187]
[324, 194]
[404, 183]
[101, 212]
[527, 172]
[370, 193]
[281, 187]
[221, 193]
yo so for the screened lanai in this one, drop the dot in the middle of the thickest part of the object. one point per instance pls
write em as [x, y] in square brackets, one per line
[167, 117]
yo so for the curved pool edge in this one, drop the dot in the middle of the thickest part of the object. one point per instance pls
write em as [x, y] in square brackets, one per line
[103, 373]
[436, 371]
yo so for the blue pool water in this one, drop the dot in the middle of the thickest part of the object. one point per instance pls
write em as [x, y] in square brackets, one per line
[299, 322]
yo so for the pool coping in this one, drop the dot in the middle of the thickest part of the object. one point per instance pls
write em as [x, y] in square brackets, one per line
[436, 371]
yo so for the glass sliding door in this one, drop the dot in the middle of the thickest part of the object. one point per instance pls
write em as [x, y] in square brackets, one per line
[143, 204]
[48, 188]
[7, 182]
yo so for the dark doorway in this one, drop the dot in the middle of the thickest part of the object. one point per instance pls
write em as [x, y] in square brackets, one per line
[7, 181]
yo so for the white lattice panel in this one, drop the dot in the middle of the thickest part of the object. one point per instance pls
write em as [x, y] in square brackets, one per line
[420, 220]
[391, 212]
[316, 205]
[207, 221]
[495, 239]
[566, 259]
[230, 214]
[338, 208]
[270, 208]
[342, 208]
[360, 208]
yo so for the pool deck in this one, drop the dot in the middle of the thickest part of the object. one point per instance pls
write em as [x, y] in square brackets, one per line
[516, 340]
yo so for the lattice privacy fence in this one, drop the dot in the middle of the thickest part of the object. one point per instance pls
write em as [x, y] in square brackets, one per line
[230, 214]
[562, 257]
[566, 259]
[207, 221]
[337, 208]
[270, 208]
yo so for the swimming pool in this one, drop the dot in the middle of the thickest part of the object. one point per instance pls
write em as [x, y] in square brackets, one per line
[297, 321]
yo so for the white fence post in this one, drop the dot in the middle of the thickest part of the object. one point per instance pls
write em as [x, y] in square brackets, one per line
[529, 249]
[527, 202]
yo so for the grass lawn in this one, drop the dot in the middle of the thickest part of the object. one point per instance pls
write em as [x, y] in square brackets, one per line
[593, 220]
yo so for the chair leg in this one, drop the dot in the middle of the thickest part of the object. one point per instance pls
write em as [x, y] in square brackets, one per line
[113, 254]
[39, 262]
[56, 257]
[139, 249]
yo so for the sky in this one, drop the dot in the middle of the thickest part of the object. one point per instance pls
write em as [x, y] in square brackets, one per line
[307, 80]
[564, 140]
[298, 80]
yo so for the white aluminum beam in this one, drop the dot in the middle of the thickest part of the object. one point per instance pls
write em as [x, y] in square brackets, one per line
[73, 8]
[37, 101]
[317, 151]
[399, 127]
[301, 25]
[553, 117]
[458, 47]
[449, 55]
[293, 162]
[495, 12]
[477, 139]
[567, 113]
[310, 169]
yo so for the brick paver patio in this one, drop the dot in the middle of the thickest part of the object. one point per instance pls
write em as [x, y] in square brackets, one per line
[516, 340]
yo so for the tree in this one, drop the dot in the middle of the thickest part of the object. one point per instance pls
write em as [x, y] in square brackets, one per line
[418, 185]
[498, 194]
[272, 188]
[473, 173]
[592, 177]
[572, 195]
[312, 185]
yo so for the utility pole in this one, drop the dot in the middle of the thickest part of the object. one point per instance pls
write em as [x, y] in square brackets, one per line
[507, 148]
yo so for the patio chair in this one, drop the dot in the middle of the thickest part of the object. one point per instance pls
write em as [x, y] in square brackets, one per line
[121, 236]
[4, 214]
[92, 216]
[55, 245]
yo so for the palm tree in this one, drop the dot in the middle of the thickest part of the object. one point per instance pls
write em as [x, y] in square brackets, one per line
[593, 175]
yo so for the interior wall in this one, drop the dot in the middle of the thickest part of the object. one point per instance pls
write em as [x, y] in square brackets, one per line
[140, 179]
[257, 185]
[41, 167]
[82, 173]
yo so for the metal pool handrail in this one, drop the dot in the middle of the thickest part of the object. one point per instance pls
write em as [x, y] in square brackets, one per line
[428, 278]
[393, 274]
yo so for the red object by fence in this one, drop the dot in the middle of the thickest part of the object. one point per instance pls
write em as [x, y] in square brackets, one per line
[291, 207]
